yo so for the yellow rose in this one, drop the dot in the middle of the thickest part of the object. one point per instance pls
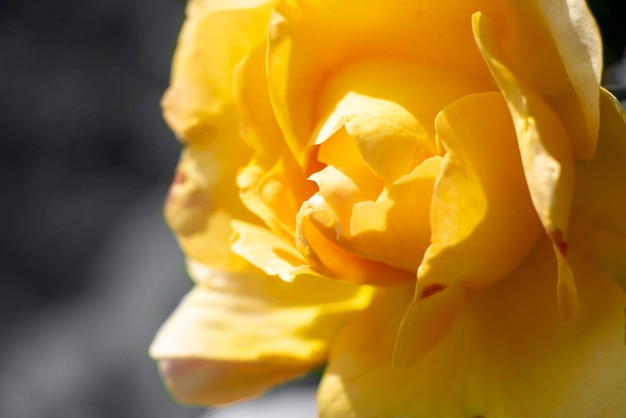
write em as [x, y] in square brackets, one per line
[428, 196]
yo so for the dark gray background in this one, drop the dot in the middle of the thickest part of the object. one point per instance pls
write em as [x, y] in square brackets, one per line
[88, 268]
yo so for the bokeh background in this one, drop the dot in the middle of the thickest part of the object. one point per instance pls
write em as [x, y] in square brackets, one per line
[89, 270]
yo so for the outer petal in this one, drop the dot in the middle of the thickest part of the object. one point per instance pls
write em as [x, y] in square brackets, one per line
[598, 223]
[555, 47]
[203, 199]
[199, 106]
[578, 41]
[508, 355]
[236, 335]
[483, 222]
[214, 38]
[544, 143]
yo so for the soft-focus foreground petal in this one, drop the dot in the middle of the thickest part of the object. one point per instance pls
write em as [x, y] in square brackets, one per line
[236, 335]
[214, 38]
[483, 222]
[309, 40]
[598, 222]
[507, 355]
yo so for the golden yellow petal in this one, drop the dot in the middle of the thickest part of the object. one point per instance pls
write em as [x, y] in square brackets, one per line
[544, 142]
[391, 226]
[387, 108]
[258, 124]
[326, 257]
[598, 222]
[483, 222]
[236, 335]
[507, 355]
[555, 48]
[309, 41]
[198, 105]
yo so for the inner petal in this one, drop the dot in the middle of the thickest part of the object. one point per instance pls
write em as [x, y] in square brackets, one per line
[388, 107]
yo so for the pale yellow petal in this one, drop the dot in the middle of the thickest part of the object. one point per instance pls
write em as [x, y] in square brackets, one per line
[236, 335]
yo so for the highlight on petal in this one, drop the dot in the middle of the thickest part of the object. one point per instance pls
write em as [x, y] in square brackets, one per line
[598, 221]
[507, 355]
[483, 222]
[309, 40]
[554, 47]
[578, 41]
[544, 143]
[235, 335]
[214, 38]
[392, 226]
[268, 252]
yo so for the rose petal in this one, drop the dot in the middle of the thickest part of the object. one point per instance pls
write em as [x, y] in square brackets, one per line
[326, 257]
[276, 192]
[236, 335]
[598, 222]
[544, 144]
[214, 38]
[555, 46]
[309, 40]
[267, 251]
[391, 227]
[507, 355]
[202, 200]
[483, 222]
[387, 108]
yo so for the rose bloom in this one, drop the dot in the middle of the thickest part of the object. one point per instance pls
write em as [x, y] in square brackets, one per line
[427, 197]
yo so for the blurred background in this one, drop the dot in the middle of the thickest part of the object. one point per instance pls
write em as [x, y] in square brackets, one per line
[89, 270]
